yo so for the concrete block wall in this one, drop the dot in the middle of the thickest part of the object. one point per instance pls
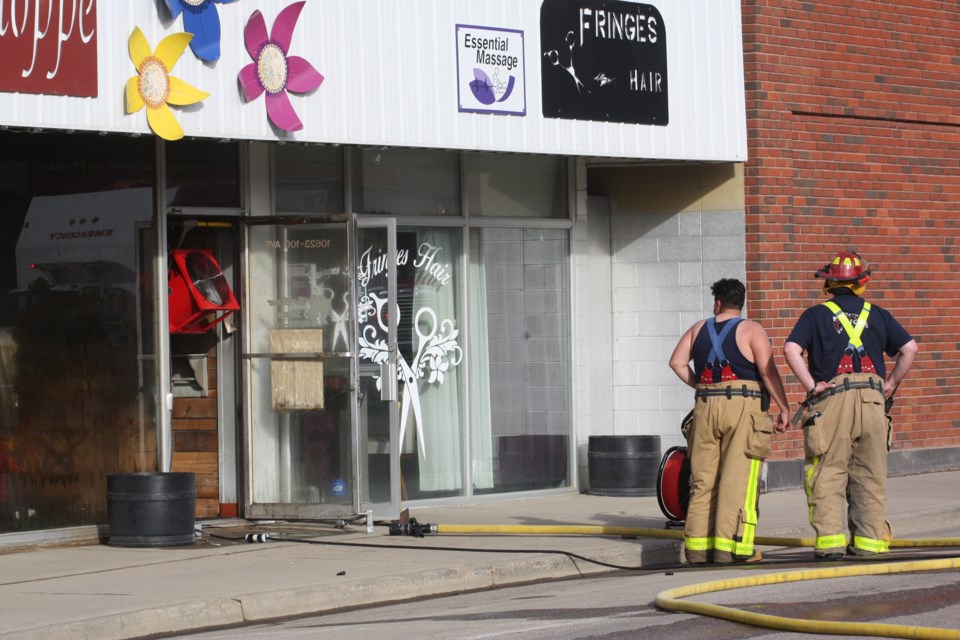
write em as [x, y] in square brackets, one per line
[663, 266]
[654, 240]
[593, 325]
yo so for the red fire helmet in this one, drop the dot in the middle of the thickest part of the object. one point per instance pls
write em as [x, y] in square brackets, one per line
[846, 266]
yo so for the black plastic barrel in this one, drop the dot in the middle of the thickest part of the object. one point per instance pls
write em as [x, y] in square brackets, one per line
[623, 465]
[151, 509]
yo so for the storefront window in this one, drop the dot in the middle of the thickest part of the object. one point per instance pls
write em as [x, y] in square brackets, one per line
[309, 179]
[516, 186]
[77, 358]
[520, 358]
[429, 291]
[513, 331]
[393, 181]
[203, 173]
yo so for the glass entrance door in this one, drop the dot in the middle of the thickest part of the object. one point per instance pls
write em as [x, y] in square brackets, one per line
[300, 369]
[321, 368]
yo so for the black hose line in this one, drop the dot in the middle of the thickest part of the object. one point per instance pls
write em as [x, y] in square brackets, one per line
[648, 568]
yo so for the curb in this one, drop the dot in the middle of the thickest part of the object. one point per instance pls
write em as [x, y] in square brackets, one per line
[262, 607]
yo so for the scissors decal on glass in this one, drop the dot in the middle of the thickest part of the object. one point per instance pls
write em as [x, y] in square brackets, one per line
[437, 352]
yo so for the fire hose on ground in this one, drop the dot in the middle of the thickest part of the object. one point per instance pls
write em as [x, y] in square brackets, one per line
[671, 600]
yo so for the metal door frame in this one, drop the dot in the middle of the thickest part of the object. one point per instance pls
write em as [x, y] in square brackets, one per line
[388, 373]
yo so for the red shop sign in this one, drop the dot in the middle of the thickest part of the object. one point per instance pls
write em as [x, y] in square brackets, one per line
[49, 46]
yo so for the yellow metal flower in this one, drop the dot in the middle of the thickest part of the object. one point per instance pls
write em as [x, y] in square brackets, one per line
[154, 87]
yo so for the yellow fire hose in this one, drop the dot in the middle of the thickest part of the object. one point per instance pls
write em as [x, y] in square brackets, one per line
[647, 532]
[670, 599]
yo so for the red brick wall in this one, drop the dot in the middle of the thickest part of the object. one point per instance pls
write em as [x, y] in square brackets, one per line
[853, 114]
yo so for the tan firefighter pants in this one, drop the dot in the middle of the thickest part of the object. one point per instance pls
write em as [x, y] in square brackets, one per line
[845, 443]
[727, 442]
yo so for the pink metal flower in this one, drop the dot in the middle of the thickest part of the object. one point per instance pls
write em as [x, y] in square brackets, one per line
[273, 71]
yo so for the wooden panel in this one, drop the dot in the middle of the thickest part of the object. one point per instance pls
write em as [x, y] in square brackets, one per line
[195, 425]
[212, 374]
[194, 408]
[205, 468]
[199, 463]
[208, 486]
[191, 424]
[207, 508]
[297, 385]
[195, 441]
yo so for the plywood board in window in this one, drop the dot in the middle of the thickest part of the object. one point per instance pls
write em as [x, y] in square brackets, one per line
[297, 385]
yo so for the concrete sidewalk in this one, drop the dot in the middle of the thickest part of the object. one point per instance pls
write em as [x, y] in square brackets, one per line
[103, 592]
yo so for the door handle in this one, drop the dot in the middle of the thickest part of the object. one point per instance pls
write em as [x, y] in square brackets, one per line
[388, 381]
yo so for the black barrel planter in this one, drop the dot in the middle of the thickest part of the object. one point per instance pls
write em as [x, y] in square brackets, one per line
[623, 465]
[151, 509]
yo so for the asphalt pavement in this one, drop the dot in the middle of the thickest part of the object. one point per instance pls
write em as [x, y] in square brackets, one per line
[105, 592]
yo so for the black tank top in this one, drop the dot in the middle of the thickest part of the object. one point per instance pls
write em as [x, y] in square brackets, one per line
[742, 368]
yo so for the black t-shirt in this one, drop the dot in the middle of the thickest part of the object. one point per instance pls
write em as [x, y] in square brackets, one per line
[824, 339]
[742, 368]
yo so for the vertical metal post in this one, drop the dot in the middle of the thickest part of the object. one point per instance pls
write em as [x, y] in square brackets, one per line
[165, 399]
[284, 428]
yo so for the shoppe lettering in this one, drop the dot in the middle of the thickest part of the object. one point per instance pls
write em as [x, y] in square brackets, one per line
[49, 46]
[491, 51]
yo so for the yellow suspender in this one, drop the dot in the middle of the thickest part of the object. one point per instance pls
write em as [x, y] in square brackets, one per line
[853, 332]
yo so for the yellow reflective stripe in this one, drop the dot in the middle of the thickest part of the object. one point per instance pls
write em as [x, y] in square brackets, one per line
[753, 483]
[853, 333]
[725, 544]
[744, 548]
[745, 545]
[698, 544]
[831, 542]
[871, 544]
[808, 487]
[861, 323]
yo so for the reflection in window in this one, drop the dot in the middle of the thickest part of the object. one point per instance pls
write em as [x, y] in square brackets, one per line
[516, 186]
[520, 371]
[394, 181]
[309, 179]
[77, 365]
[203, 173]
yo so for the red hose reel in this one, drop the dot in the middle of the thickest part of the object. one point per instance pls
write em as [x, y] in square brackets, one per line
[199, 295]
[673, 484]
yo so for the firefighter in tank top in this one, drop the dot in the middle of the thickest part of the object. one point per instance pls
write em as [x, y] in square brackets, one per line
[734, 376]
[846, 431]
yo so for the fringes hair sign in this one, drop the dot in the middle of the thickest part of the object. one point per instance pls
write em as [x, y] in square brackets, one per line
[604, 60]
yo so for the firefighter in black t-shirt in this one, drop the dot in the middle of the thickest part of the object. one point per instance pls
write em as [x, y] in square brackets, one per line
[846, 432]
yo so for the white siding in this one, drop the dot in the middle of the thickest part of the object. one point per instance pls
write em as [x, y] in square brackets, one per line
[390, 70]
